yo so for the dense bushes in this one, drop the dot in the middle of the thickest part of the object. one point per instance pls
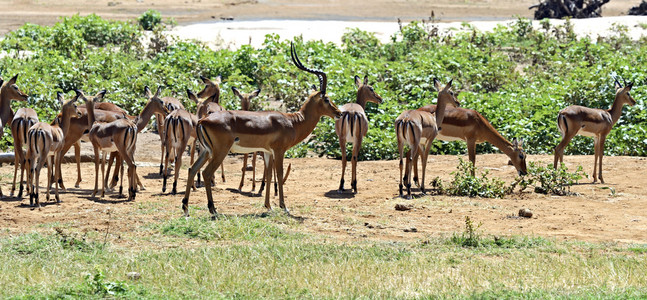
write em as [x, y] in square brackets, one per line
[516, 76]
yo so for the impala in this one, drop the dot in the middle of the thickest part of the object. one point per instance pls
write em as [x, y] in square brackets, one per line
[210, 91]
[119, 135]
[8, 92]
[43, 139]
[268, 131]
[171, 104]
[470, 126]
[592, 122]
[24, 119]
[245, 101]
[417, 129]
[353, 126]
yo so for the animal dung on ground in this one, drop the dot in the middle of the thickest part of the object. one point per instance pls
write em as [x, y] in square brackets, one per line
[403, 207]
[526, 213]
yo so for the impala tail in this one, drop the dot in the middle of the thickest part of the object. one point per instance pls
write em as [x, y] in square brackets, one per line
[352, 119]
[562, 125]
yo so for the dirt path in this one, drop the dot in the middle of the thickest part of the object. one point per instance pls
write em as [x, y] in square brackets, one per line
[602, 212]
[14, 13]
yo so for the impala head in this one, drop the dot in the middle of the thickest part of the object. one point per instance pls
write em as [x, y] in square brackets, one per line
[445, 94]
[622, 92]
[365, 91]
[68, 107]
[319, 98]
[96, 98]
[11, 91]
[155, 102]
[245, 98]
[211, 88]
[518, 157]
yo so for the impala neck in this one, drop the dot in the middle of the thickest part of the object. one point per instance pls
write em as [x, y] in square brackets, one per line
[616, 110]
[304, 121]
[65, 122]
[362, 99]
[494, 138]
[89, 107]
[145, 116]
[6, 113]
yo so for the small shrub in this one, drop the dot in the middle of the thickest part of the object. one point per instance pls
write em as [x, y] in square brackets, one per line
[470, 237]
[99, 286]
[150, 19]
[465, 184]
[547, 180]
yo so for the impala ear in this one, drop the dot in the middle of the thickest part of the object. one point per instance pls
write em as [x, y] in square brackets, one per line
[205, 80]
[159, 90]
[510, 162]
[254, 93]
[314, 88]
[629, 86]
[236, 92]
[365, 79]
[12, 80]
[59, 97]
[437, 84]
[449, 85]
[100, 95]
[515, 143]
[358, 81]
[1, 81]
[617, 84]
[147, 92]
[192, 96]
[218, 79]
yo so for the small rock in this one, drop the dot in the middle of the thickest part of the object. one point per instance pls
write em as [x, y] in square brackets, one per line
[412, 229]
[526, 213]
[133, 275]
[402, 207]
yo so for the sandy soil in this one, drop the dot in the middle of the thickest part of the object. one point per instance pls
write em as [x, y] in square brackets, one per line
[601, 212]
[14, 13]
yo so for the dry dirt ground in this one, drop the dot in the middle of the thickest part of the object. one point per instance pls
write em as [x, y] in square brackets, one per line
[610, 212]
[14, 13]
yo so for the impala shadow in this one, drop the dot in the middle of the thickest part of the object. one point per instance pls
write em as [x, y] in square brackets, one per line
[248, 194]
[335, 194]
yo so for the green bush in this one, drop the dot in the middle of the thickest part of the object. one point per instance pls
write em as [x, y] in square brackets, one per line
[466, 184]
[150, 19]
[547, 180]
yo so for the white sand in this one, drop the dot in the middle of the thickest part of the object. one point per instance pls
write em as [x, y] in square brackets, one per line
[233, 34]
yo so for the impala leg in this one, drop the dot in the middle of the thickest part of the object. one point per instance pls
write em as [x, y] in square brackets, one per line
[412, 153]
[414, 166]
[600, 155]
[18, 163]
[159, 121]
[222, 171]
[596, 151]
[104, 178]
[559, 149]
[254, 171]
[165, 170]
[49, 176]
[471, 152]
[242, 177]
[342, 146]
[178, 165]
[193, 158]
[260, 190]
[23, 167]
[97, 161]
[269, 166]
[356, 147]
[208, 174]
[193, 170]
[57, 175]
[77, 157]
[114, 156]
[121, 182]
[424, 155]
[278, 165]
[401, 151]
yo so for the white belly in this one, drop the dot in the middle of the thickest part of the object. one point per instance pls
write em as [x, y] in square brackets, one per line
[235, 148]
[586, 133]
[445, 138]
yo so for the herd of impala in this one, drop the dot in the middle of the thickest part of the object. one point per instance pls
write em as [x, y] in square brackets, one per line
[216, 132]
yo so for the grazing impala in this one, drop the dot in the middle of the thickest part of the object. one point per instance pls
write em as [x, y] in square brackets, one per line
[353, 126]
[43, 139]
[418, 129]
[268, 131]
[470, 126]
[592, 122]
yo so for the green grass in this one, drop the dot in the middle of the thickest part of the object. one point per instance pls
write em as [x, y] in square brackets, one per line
[254, 256]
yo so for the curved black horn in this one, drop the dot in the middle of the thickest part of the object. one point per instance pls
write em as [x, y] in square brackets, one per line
[616, 81]
[323, 80]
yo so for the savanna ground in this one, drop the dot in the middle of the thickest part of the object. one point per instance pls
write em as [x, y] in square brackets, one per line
[333, 245]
